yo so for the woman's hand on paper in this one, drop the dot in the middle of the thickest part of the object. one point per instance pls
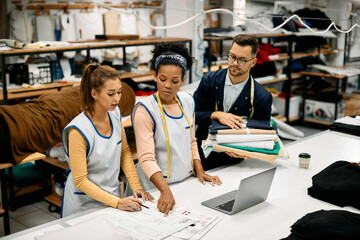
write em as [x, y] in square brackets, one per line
[166, 202]
[228, 119]
[144, 195]
[234, 155]
[129, 204]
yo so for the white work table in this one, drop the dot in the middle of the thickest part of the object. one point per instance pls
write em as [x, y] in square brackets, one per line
[287, 202]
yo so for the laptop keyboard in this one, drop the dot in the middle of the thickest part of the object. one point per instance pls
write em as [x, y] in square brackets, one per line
[227, 206]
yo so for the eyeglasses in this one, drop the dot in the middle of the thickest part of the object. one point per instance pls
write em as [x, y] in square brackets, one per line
[240, 61]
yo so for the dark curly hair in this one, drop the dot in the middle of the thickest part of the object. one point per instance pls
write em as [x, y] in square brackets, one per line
[171, 48]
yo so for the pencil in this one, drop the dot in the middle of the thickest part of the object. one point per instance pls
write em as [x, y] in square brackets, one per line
[144, 206]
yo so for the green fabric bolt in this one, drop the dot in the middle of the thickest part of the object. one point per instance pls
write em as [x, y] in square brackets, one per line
[274, 151]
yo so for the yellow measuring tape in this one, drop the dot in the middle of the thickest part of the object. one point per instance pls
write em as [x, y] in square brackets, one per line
[167, 135]
[251, 100]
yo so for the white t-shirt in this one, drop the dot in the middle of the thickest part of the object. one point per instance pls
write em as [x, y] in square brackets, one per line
[127, 25]
[87, 25]
[20, 26]
[45, 28]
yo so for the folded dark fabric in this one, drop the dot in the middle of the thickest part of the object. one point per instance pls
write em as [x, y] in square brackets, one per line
[346, 128]
[252, 123]
[326, 225]
[338, 184]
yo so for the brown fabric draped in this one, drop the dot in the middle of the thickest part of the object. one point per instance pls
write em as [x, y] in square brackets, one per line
[36, 125]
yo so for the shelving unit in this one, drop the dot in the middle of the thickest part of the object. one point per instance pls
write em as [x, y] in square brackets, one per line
[283, 56]
[54, 198]
[40, 5]
[88, 46]
[35, 91]
[337, 78]
[220, 40]
[290, 56]
[4, 209]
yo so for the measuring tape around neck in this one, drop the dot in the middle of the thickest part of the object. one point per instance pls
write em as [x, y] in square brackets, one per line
[167, 135]
[252, 98]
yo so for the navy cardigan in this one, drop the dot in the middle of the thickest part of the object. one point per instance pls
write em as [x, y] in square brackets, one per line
[211, 91]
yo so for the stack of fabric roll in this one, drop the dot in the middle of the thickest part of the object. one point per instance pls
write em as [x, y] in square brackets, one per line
[258, 139]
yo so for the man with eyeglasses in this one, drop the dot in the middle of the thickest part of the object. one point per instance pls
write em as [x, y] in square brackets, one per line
[229, 94]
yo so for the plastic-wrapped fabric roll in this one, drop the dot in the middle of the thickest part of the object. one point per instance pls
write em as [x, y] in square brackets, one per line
[13, 43]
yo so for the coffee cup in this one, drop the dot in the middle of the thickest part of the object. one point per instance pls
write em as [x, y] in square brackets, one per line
[304, 160]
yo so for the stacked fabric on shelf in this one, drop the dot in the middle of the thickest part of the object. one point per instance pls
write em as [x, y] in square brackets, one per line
[257, 140]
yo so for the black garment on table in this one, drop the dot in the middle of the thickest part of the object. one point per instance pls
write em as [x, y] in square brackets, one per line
[326, 225]
[346, 128]
[338, 184]
[6, 155]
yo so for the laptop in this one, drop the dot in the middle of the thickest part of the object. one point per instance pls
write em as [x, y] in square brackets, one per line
[252, 190]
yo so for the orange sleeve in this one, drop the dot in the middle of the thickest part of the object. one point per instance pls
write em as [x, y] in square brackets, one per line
[78, 165]
[194, 146]
[127, 163]
[145, 146]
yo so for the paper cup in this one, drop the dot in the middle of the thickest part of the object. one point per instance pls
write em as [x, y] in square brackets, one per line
[304, 160]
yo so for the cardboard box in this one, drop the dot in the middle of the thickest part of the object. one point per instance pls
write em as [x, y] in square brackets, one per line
[294, 107]
[353, 96]
[352, 105]
[323, 112]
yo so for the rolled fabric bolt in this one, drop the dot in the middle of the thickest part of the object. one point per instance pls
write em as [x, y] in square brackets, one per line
[304, 160]
[13, 43]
